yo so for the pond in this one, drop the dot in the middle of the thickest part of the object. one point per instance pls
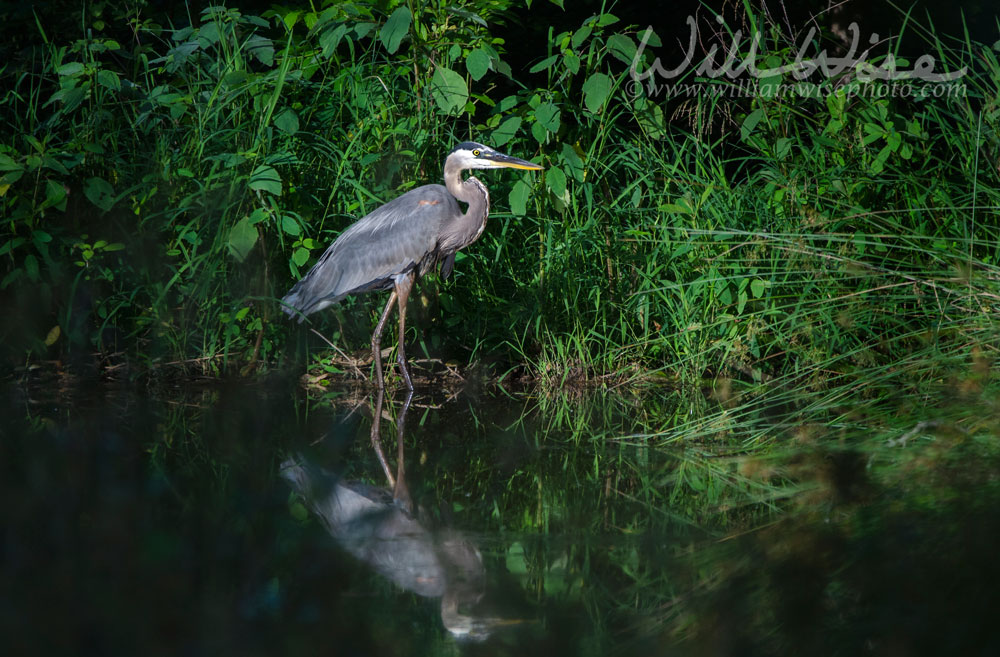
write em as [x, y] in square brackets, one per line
[234, 518]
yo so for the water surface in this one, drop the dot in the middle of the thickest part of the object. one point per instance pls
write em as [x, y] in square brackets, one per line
[262, 519]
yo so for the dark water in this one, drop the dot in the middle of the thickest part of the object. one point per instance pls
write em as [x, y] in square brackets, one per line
[258, 519]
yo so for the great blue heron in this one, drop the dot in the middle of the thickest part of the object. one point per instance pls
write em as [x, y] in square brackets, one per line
[402, 240]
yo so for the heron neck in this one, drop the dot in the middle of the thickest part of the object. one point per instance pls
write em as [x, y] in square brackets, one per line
[467, 191]
[474, 193]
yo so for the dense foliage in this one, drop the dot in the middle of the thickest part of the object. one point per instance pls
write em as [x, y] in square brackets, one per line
[163, 184]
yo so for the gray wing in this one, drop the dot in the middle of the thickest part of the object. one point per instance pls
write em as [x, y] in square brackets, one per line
[391, 240]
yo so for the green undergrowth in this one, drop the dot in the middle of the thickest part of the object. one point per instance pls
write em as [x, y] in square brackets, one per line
[164, 185]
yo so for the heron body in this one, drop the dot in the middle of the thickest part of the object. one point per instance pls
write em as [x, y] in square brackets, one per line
[402, 240]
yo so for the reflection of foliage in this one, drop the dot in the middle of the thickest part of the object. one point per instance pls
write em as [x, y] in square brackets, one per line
[785, 523]
[906, 565]
[797, 527]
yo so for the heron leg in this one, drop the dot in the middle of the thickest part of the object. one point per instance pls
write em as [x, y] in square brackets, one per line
[377, 341]
[400, 491]
[376, 437]
[403, 286]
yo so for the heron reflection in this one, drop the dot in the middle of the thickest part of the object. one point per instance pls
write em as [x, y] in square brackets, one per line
[381, 527]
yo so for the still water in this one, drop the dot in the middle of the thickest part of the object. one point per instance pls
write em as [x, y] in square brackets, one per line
[189, 519]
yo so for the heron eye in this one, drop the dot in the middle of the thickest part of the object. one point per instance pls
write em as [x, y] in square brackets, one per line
[476, 152]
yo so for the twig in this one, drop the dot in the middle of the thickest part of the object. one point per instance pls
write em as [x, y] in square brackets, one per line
[901, 441]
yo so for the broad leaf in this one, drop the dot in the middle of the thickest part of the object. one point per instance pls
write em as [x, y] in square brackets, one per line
[506, 131]
[477, 63]
[595, 91]
[99, 192]
[395, 28]
[555, 180]
[449, 90]
[287, 122]
[242, 238]
[518, 198]
[265, 178]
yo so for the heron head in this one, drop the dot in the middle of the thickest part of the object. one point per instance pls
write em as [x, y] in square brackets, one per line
[471, 155]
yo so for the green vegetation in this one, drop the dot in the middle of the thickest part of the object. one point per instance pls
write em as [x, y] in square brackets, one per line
[162, 186]
[816, 275]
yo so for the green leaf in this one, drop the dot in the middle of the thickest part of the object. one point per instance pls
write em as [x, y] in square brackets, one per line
[395, 28]
[555, 180]
[11, 245]
[544, 64]
[572, 162]
[879, 163]
[265, 178]
[7, 163]
[518, 198]
[874, 133]
[50, 162]
[516, 562]
[782, 147]
[330, 39]
[580, 36]
[547, 115]
[770, 86]
[99, 192]
[749, 123]
[257, 216]
[31, 267]
[622, 47]
[595, 91]
[300, 256]
[477, 63]
[572, 63]
[290, 19]
[287, 122]
[71, 68]
[72, 98]
[506, 131]
[109, 80]
[449, 90]
[650, 117]
[650, 37]
[290, 226]
[242, 238]
[55, 195]
[262, 49]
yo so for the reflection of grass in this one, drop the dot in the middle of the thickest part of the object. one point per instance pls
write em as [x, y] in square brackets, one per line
[890, 549]
[768, 520]
[831, 535]
[764, 521]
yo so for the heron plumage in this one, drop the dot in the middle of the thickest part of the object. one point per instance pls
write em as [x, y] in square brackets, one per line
[392, 239]
[402, 240]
